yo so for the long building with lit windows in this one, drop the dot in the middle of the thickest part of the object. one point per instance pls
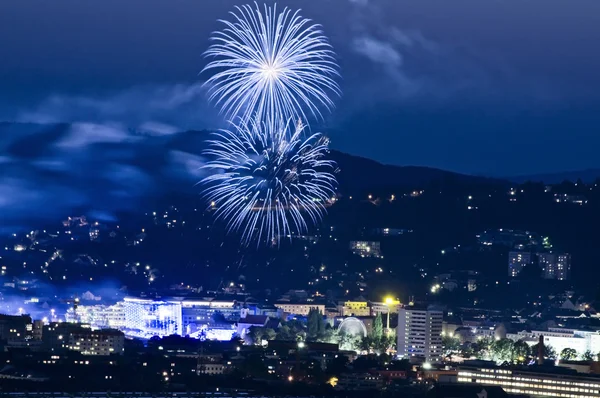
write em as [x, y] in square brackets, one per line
[533, 382]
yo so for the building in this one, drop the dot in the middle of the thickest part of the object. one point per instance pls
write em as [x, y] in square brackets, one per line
[146, 318]
[391, 306]
[299, 308]
[263, 309]
[55, 335]
[197, 314]
[533, 381]
[366, 249]
[99, 316]
[15, 328]
[97, 342]
[509, 238]
[390, 231]
[560, 338]
[355, 308]
[250, 321]
[359, 382]
[555, 265]
[517, 260]
[420, 334]
[211, 369]
[466, 391]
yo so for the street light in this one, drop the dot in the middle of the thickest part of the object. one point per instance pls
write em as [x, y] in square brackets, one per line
[389, 301]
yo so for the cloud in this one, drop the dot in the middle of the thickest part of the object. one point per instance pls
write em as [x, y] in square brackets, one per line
[156, 108]
[378, 51]
[91, 167]
[398, 65]
[84, 134]
[102, 154]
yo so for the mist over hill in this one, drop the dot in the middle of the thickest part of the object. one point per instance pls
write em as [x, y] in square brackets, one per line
[108, 168]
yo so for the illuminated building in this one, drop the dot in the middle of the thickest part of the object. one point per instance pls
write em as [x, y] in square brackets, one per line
[533, 383]
[146, 318]
[299, 308]
[390, 305]
[559, 339]
[97, 342]
[555, 265]
[366, 249]
[420, 334]
[355, 308]
[198, 313]
[99, 316]
[517, 261]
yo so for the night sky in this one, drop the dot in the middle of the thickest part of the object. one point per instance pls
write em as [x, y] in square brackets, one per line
[483, 87]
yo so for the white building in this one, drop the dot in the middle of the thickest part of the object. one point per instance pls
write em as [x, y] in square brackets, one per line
[99, 316]
[300, 308]
[559, 339]
[145, 318]
[420, 334]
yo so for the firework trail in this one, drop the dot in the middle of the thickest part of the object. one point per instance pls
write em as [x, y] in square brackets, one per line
[267, 177]
[270, 64]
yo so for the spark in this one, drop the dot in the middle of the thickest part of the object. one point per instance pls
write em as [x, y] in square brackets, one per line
[269, 180]
[271, 64]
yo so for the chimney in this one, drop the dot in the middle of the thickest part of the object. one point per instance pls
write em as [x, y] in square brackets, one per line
[541, 350]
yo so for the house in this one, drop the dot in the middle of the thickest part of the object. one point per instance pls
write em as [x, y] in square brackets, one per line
[244, 324]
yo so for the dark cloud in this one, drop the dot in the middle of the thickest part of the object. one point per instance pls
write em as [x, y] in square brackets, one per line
[101, 168]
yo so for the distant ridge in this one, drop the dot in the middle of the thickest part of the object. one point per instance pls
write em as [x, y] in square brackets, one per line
[587, 176]
[358, 173]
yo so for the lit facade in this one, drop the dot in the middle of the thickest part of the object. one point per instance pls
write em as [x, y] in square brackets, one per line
[532, 383]
[555, 265]
[517, 261]
[300, 308]
[366, 249]
[559, 339]
[99, 316]
[147, 318]
[384, 308]
[197, 314]
[420, 334]
[355, 308]
[97, 342]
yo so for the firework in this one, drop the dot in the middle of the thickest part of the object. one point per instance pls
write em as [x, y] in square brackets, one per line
[268, 180]
[271, 64]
